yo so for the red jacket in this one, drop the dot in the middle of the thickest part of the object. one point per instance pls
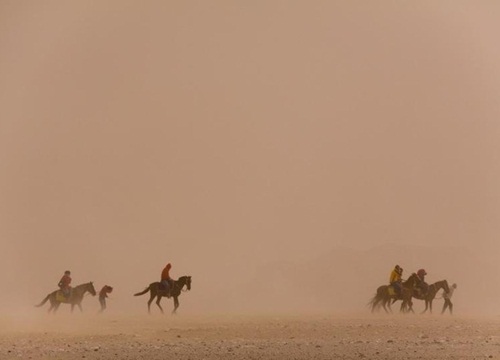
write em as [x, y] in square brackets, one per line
[64, 282]
[165, 273]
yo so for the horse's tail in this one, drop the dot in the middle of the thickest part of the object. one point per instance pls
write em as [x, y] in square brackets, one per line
[43, 301]
[372, 301]
[376, 302]
[143, 292]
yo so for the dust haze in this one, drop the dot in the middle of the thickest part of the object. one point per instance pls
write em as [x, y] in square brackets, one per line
[284, 154]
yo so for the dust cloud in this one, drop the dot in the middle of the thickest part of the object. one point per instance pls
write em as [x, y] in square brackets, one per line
[284, 155]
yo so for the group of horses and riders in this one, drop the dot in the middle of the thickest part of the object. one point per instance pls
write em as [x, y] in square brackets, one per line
[414, 287]
[166, 287]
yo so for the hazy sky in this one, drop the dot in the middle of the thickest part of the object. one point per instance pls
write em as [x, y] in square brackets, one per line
[221, 136]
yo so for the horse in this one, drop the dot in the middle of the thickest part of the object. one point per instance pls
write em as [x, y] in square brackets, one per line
[383, 295]
[157, 292]
[429, 296]
[75, 297]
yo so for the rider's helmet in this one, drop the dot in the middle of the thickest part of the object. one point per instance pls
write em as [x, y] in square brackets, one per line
[398, 269]
[421, 272]
[67, 272]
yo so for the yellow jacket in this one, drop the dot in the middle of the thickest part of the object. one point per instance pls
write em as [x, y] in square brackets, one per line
[394, 277]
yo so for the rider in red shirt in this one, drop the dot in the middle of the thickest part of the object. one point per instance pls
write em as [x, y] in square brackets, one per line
[64, 283]
[423, 285]
[166, 280]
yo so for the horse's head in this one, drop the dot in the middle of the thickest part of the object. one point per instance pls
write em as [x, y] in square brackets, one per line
[91, 288]
[185, 280]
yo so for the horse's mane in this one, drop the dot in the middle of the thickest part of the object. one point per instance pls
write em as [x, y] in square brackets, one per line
[84, 284]
[445, 282]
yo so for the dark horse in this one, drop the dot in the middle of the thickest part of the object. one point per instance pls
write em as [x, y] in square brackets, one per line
[429, 296]
[75, 298]
[384, 296]
[155, 291]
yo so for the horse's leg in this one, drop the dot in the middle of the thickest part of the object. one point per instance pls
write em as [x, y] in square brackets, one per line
[405, 306]
[385, 303]
[389, 304]
[176, 304]
[403, 303]
[151, 298]
[430, 306]
[55, 305]
[410, 306]
[158, 303]
[80, 306]
[426, 306]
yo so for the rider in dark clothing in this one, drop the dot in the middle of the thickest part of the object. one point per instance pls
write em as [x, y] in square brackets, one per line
[64, 283]
[103, 294]
[423, 285]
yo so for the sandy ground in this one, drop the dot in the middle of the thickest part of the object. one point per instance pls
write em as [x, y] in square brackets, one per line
[111, 336]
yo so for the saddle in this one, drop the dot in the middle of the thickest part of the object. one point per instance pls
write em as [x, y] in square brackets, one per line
[162, 287]
[391, 290]
[420, 292]
[61, 296]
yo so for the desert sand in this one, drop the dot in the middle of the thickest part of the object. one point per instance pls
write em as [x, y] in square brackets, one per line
[320, 336]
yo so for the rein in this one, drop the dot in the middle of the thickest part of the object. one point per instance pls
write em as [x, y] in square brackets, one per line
[182, 288]
[177, 285]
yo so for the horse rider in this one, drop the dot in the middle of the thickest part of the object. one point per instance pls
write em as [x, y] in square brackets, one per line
[395, 279]
[423, 285]
[166, 280]
[64, 283]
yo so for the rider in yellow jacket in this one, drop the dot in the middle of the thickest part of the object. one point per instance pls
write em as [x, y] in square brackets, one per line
[396, 278]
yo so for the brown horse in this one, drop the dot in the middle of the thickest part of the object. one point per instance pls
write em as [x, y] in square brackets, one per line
[384, 294]
[429, 296]
[157, 292]
[75, 297]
